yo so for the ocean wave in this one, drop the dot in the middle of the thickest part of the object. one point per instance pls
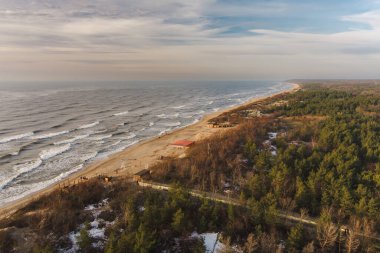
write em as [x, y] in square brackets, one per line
[101, 137]
[31, 188]
[164, 131]
[151, 124]
[71, 140]
[131, 136]
[89, 125]
[113, 151]
[171, 124]
[178, 107]
[121, 113]
[50, 135]
[16, 137]
[21, 169]
[168, 116]
[87, 157]
[49, 153]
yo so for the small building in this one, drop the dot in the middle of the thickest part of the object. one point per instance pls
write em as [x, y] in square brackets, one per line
[212, 124]
[183, 143]
[142, 174]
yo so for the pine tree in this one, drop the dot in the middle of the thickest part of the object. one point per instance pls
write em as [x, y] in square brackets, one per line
[178, 223]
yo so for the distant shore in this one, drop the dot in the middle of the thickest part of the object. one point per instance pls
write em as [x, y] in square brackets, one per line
[138, 156]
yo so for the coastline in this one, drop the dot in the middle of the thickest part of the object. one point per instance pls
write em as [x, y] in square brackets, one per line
[139, 155]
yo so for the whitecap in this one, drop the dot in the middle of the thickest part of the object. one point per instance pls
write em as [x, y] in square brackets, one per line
[87, 157]
[171, 124]
[131, 136]
[151, 124]
[49, 153]
[16, 137]
[21, 169]
[31, 188]
[50, 135]
[169, 116]
[121, 113]
[101, 137]
[71, 140]
[107, 153]
[178, 107]
[89, 125]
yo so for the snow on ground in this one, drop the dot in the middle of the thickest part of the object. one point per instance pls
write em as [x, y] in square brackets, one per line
[272, 135]
[96, 232]
[273, 150]
[210, 240]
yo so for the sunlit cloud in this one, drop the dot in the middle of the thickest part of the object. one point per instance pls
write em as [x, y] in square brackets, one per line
[208, 39]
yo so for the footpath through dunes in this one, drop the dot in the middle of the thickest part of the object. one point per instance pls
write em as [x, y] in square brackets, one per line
[282, 215]
[138, 156]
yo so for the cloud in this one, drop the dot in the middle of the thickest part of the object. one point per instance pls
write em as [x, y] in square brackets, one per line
[371, 18]
[177, 39]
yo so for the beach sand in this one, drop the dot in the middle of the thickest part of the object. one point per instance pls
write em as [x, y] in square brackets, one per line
[136, 157]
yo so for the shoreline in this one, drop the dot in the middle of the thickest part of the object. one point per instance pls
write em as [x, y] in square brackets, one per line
[140, 155]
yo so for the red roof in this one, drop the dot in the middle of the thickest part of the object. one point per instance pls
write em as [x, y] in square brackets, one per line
[183, 143]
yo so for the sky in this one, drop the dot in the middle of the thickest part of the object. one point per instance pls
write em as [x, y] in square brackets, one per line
[59, 40]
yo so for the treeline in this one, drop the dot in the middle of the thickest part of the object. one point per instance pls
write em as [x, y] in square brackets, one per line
[329, 164]
[142, 221]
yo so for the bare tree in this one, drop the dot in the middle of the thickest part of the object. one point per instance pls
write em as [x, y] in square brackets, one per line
[251, 244]
[368, 228]
[309, 248]
[326, 234]
[352, 241]
[267, 243]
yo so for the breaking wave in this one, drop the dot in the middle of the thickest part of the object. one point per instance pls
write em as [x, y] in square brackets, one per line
[89, 125]
[16, 137]
[49, 153]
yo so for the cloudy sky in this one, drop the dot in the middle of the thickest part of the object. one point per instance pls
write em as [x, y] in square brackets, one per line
[188, 39]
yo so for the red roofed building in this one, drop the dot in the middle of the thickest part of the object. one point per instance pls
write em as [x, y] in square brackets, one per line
[183, 143]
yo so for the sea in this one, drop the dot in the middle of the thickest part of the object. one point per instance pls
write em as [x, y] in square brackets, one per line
[51, 130]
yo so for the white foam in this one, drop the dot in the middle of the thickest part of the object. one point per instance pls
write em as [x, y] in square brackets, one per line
[272, 135]
[49, 153]
[178, 107]
[163, 132]
[121, 113]
[151, 124]
[107, 153]
[49, 135]
[131, 136]
[168, 116]
[16, 137]
[195, 121]
[89, 125]
[87, 157]
[39, 186]
[21, 169]
[101, 137]
[71, 140]
[171, 124]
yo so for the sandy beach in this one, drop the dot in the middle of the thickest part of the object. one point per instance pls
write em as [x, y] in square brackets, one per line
[138, 156]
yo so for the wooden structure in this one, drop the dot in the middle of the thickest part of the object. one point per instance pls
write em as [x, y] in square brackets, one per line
[219, 125]
[183, 143]
[142, 174]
